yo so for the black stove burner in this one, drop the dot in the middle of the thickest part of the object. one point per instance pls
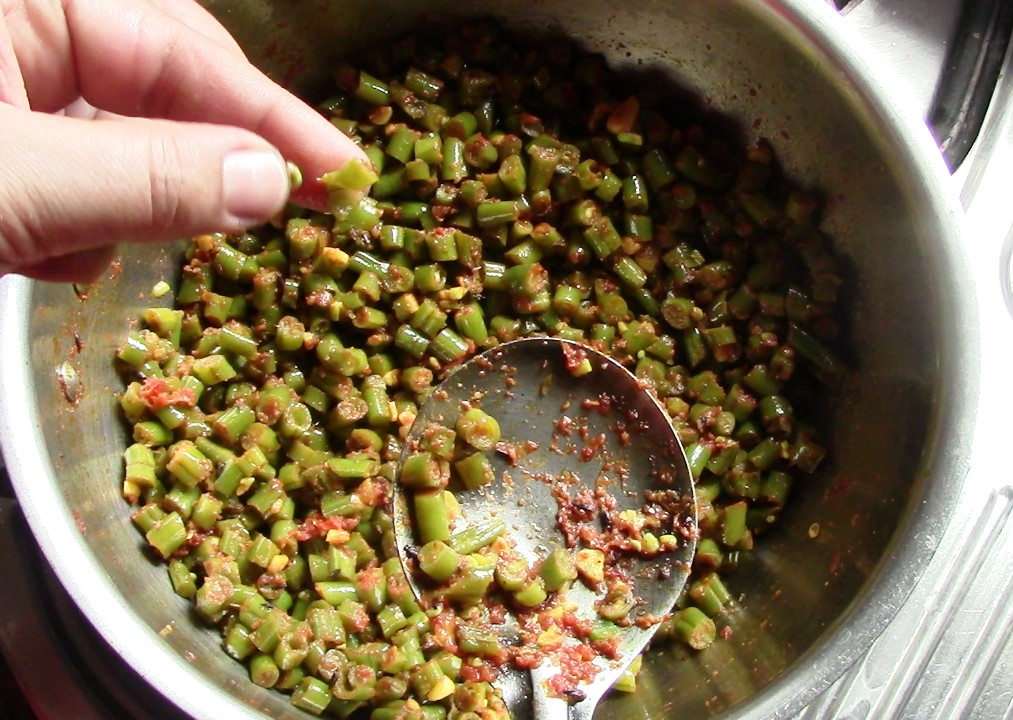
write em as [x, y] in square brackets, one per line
[975, 49]
[969, 78]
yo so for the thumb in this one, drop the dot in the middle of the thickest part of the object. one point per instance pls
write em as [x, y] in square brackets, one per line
[71, 186]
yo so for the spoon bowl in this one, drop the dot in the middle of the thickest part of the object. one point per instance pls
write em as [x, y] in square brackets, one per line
[577, 429]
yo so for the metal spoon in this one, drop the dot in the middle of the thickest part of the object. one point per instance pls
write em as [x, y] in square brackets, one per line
[627, 447]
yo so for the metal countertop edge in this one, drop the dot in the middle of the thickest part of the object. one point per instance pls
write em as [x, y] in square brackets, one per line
[947, 653]
[910, 553]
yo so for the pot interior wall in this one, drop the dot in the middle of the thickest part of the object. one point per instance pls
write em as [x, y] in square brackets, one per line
[745, 59]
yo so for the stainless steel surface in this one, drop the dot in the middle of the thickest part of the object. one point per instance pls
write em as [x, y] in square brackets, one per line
[527, 387]
[915, 37]
[949, 54]
[902, 435]
[948, 654]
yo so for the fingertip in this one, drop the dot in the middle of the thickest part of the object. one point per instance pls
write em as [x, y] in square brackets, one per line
[314, 144]
[311, 194]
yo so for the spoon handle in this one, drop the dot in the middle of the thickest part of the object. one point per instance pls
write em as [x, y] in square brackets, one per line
[551, 708]
[547, 707]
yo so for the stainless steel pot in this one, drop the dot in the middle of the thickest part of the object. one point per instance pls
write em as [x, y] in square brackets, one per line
[819, 589]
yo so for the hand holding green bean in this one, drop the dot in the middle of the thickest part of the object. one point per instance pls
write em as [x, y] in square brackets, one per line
[192, 137]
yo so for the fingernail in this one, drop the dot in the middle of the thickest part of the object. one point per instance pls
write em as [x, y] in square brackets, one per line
[254, 185]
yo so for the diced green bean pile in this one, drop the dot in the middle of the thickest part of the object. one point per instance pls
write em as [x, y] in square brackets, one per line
[454, 458]
[520, 188]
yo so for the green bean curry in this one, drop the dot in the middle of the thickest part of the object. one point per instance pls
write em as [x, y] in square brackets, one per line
[516, 187]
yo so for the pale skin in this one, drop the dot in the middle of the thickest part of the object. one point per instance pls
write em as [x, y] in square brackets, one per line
[139, 121]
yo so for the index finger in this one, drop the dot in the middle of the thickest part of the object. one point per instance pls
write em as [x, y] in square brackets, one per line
[198, 18]
[12, 85]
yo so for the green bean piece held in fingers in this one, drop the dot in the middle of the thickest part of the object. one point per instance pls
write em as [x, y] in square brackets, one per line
[518, 188]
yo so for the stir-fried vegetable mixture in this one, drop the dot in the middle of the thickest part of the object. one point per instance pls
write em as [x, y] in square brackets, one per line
[556, 598]
[517, 188]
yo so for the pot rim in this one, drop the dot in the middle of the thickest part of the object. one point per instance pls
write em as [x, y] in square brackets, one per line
[949, 445]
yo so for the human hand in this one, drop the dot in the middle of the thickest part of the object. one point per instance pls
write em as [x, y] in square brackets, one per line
[139, 120]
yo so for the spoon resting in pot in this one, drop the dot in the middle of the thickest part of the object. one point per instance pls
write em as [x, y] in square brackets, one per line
[583, 484]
